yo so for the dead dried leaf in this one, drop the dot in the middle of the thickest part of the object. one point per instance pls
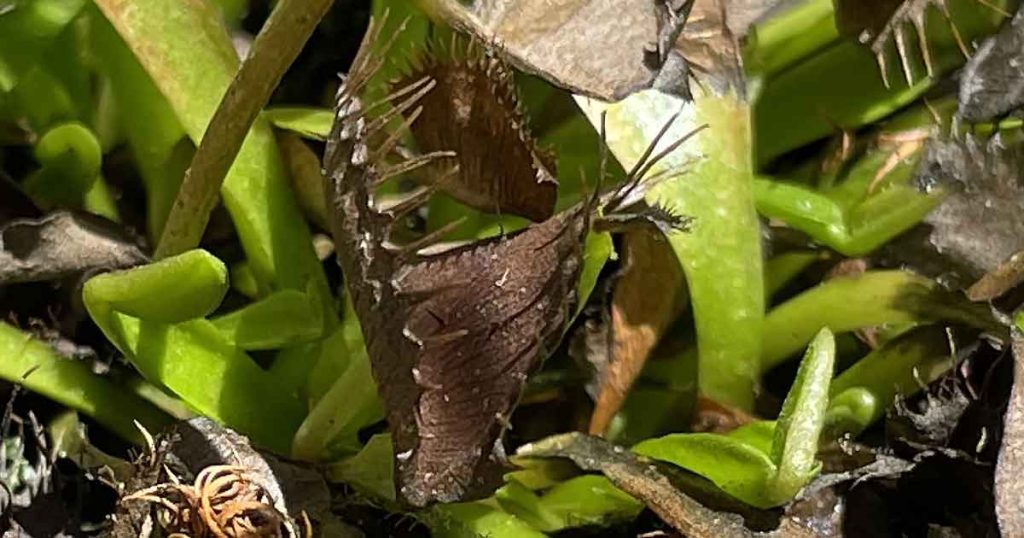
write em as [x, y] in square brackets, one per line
[992, 84]
[641, 479]
[742, 14]
[1000, 280]
[63, 244]
[1009, 489]
[640, 314]
[474, 110]
[979, 225]
[557, 40]
[642, 43]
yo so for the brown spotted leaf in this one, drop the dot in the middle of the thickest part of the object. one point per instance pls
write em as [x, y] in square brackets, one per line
[474, 111]
[451, 336]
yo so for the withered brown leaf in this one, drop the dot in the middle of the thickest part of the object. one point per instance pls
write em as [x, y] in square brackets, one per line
[451, 336]
[601, 48]
[1008, 486]
[992, 85]
[639, 316]
[63, 244]
[475, 111]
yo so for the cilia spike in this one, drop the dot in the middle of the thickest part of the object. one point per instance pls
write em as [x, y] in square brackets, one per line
[915, 13]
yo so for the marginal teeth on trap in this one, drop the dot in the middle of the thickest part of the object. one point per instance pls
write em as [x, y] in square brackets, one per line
[475, 112]
[913, 13]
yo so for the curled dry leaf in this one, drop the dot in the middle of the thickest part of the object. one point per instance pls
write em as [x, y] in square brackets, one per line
[63, 244]
[474, 110]
[601, 48]
[645, 481]
[992, 85]
[708, 43]
[639, 316]
[451, 336]
[641, 479]
[1009, 490]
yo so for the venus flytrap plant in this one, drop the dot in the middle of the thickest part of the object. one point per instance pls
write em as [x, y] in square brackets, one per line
[477, 519]
[339, 409]
[283, 318]
[795, 444]
[154, 315]
[69, 156]
[900, 367]
[26, 32]
[309, 122]
[870, 299]
[742, 463]
[33, 364]
[853, 232]
[848, 90]
[188, 55]
[156, 138]
[585, 500]
[784, 39]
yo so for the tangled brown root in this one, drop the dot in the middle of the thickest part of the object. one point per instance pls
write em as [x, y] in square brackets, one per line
[222, 502]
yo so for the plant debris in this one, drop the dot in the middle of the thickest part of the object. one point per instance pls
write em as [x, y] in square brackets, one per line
[222, 501]
[976, 229]
[453, 335]
[640, 479]
[639, 316]
[63, 244]
[557, 41]
[1009, 489]
[991, 85]
[474, 110]
[236, 490]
